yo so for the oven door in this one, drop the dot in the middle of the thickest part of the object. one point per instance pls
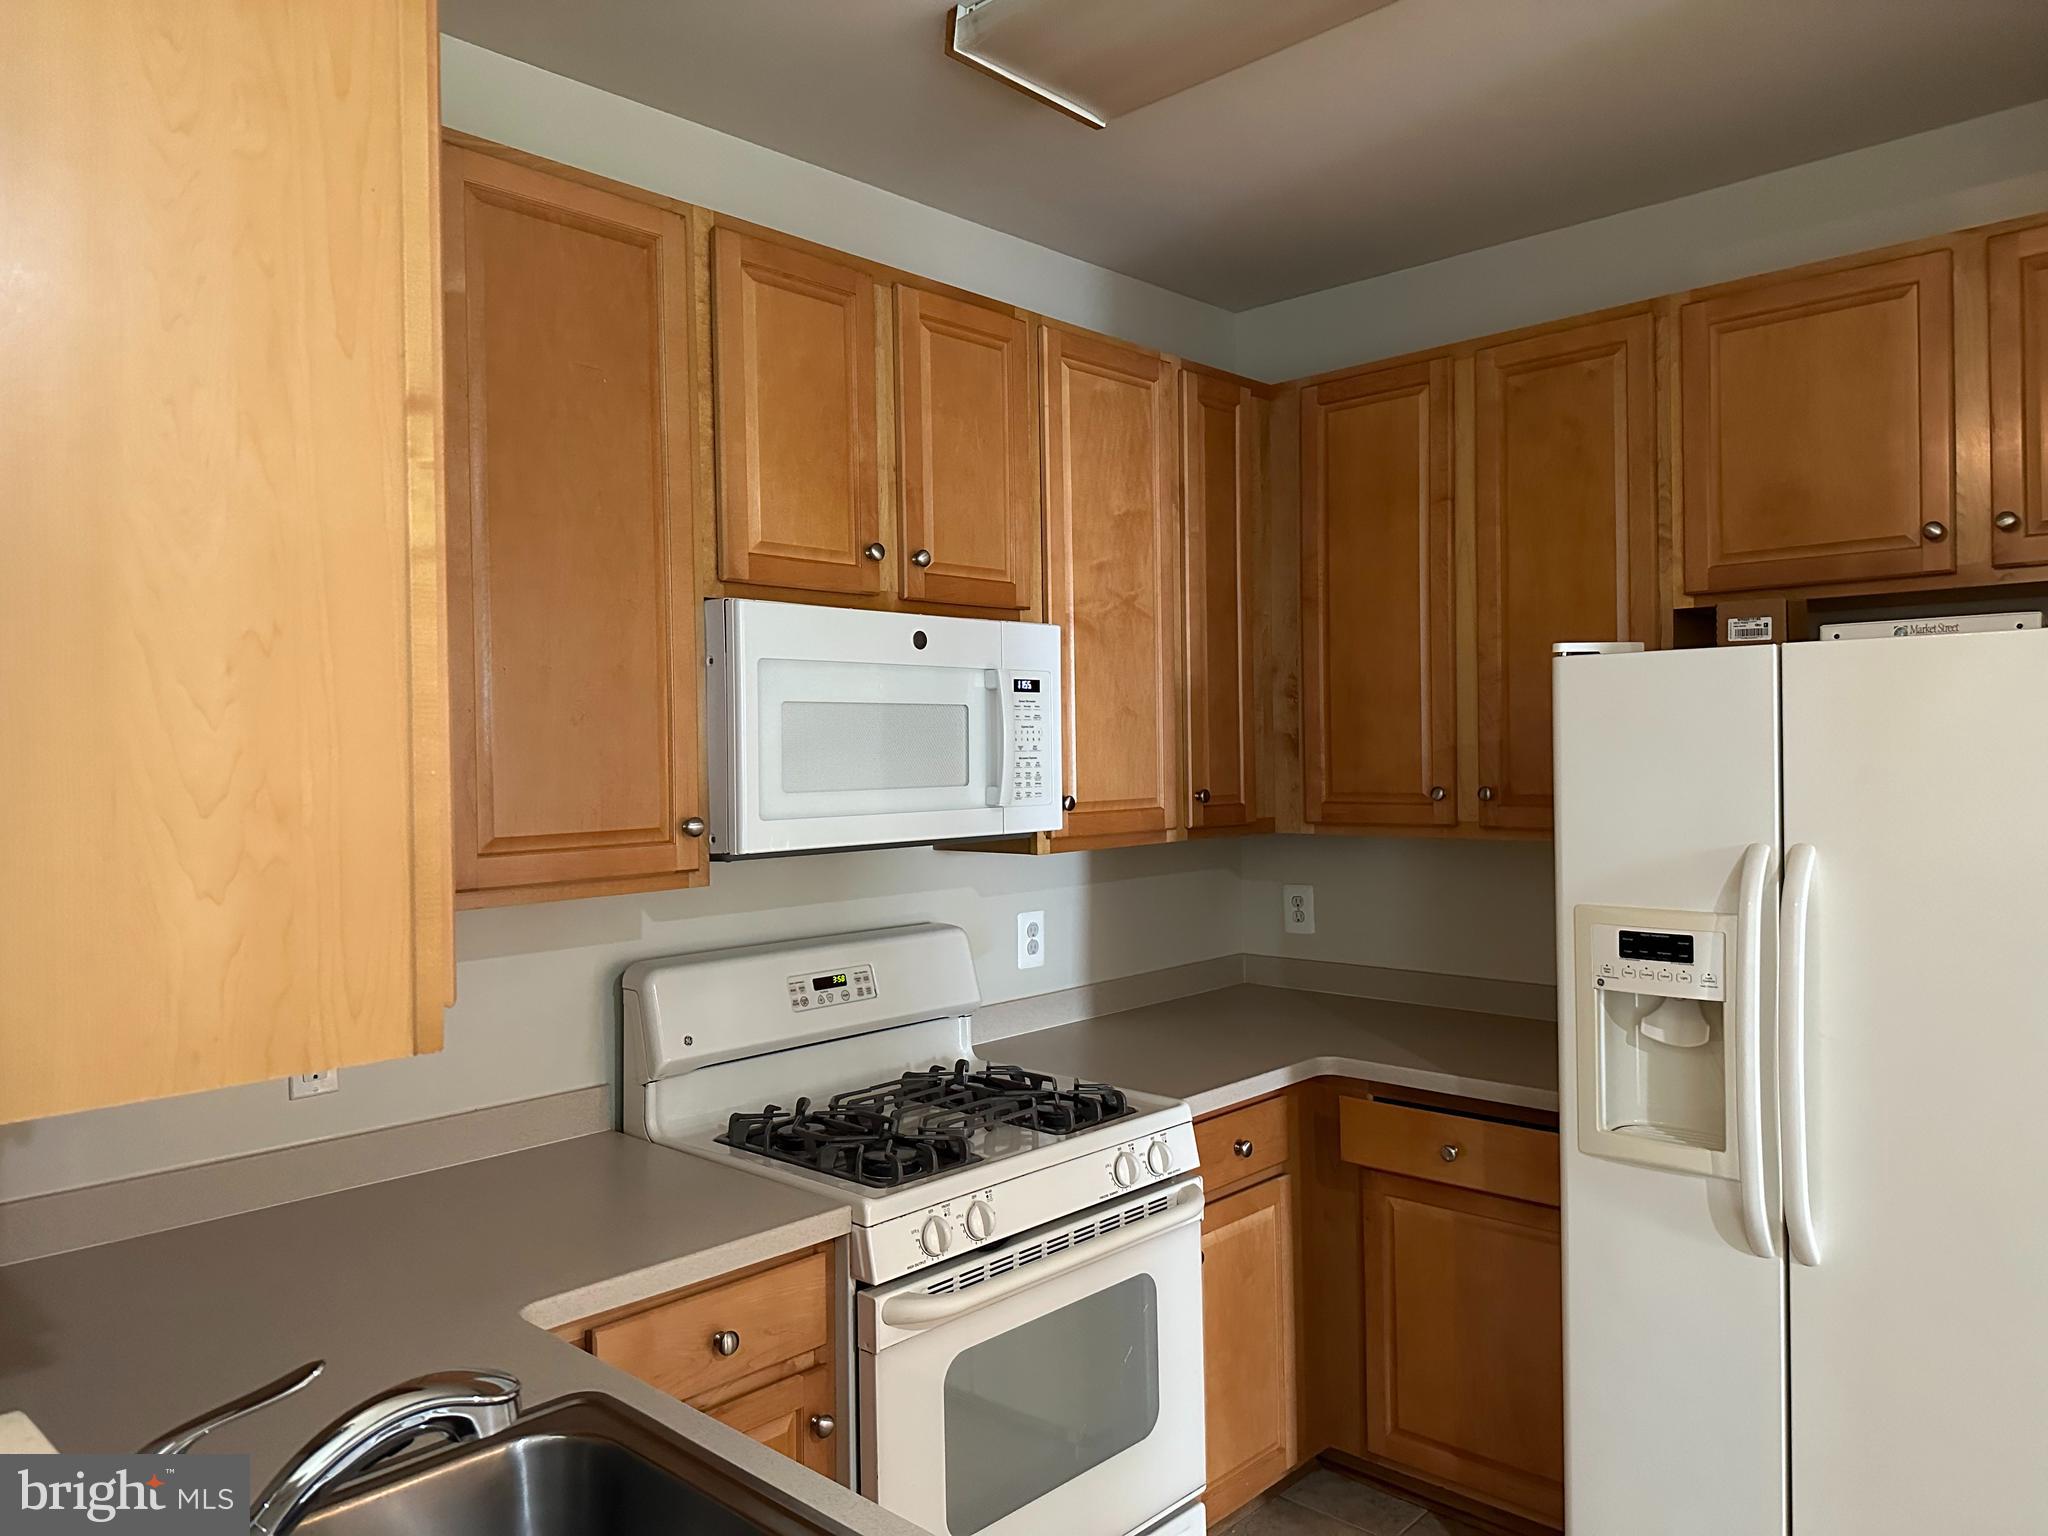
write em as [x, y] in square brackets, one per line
[1051, 1385]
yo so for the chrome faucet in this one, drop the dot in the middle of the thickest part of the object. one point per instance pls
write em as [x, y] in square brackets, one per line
[462, 1405]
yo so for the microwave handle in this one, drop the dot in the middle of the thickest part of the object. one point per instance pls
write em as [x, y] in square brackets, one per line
[913, 1310]
[1001, 792]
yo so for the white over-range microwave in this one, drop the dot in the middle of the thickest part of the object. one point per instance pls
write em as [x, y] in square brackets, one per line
[844, 728]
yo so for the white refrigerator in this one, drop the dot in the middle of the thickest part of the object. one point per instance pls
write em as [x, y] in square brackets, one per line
[1804, 1035]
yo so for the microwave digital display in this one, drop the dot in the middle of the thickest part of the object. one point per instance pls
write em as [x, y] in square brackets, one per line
[1024, 685]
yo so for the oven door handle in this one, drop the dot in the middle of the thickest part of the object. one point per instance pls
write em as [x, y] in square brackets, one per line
[913, 1310]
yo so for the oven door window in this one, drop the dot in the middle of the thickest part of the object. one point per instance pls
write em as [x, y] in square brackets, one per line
[865, 739]
[1034, 1408]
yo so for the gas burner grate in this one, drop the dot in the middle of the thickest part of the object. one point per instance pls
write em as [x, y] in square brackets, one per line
[922, 1123]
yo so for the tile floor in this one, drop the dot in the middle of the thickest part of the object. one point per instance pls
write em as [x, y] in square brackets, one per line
[1327, 1503]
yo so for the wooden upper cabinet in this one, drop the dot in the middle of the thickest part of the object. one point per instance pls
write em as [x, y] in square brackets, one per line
[223, 802]
[1378, 711]
[969, 452]
[799, 467]
[1113, 581]
[2018, 264]
[1565, 452]
[1819, 427]
[1220, 454]
[573, 652]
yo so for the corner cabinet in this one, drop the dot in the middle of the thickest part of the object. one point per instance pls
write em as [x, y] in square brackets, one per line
[796, 360]
[1818, 421]
[225, 795]
[574, 643]
[1113, 582]
[1565, 502]
[1379, 713]
[1222, 454]
[969, 452]
[2018, 272]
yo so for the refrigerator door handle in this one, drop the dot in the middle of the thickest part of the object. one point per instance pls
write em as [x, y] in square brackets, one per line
[1748, 1032]
[1802, 1238]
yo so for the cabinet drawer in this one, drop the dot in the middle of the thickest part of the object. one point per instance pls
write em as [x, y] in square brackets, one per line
[1517, 1161]
[778, 1314]
[1240, 1145]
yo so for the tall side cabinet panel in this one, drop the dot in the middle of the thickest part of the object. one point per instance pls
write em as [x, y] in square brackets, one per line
[221, 616]
[2018, 272]
[574, 640]
[1222, 425]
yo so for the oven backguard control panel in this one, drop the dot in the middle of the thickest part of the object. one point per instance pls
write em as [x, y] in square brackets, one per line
[854, 984]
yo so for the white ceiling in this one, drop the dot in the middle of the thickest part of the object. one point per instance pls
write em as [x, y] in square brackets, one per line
[1424, 129]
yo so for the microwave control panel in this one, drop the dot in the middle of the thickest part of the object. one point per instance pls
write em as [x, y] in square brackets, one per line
[856, 984]
[1033, 777]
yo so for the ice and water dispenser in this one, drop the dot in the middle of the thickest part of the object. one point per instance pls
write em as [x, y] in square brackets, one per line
[1655, 1069]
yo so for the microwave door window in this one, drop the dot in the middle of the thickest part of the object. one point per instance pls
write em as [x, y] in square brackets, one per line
[1034, 1408]
[849, 739]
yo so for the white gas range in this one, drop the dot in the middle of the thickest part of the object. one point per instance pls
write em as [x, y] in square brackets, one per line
[1026, 1252]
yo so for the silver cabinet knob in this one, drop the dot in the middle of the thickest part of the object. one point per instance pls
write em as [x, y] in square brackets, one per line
[2005, 522]
[921, 559]
[1201, 797]
[822, 1426]
[1068, 802]
[1436, 791]
[693, 826]
[1242, 1146]
[726, 1342]
[876, 551]
[1934, 533]
[1485, 793]
[1449, 1151]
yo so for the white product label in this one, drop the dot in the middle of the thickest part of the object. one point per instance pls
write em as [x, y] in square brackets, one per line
[1755, 627]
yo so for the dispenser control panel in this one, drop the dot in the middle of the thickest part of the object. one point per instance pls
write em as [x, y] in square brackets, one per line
[1661, 962]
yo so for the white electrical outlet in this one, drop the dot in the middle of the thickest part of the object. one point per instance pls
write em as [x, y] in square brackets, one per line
[310, 1085]
[1030, 940]
[1298, 908]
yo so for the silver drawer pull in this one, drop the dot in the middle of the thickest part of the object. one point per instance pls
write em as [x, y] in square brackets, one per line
[726, 1341]
[1449, 1151]
[822, 1426]
[1242, 1147]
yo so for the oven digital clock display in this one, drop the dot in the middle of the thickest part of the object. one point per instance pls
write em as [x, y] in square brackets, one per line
[855, 984]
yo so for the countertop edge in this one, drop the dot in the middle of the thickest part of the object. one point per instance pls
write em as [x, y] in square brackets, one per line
[1243, 1091]
[615, 1291]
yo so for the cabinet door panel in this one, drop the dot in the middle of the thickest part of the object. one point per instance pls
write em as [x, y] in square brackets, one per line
[1566, 503]
[2019, 396]
[786, 1416]
[1819, 428]
[799, 487]
[970, 452]
[573, 651]
[1219, 470]
[1379, 713]
[1465, 1341]
[1113, 581]
[223, 801]
[1248, 1341]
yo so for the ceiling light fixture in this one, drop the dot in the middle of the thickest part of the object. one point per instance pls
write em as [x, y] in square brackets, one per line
[1096, 60]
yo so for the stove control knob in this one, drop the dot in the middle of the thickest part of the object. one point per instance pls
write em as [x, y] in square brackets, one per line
[1124, 1170]
[1159, 1158]
[981, 1221]
[933, 1237]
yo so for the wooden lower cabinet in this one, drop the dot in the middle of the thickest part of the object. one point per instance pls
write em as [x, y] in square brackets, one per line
[796, 1416]
[1464, 1353]
[1248, 1341]
[757, 1351]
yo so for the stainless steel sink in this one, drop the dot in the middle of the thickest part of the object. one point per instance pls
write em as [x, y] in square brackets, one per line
[581, 1466]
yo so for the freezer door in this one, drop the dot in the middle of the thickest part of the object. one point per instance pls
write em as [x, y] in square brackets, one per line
[1913, 768]
[1667, 773]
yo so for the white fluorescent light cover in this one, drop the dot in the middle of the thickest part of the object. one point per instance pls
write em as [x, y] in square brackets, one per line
[1099, 59]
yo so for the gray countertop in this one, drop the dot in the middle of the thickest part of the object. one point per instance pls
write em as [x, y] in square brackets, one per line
[1222, 1048]
[460, 1268]
[467, 1266]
